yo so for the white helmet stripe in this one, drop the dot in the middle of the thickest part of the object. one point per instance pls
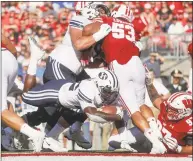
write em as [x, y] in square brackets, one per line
[173, 96]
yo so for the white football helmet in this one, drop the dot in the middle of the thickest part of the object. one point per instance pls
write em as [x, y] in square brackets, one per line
[91, 10]
[108, 86]
[123, 11]
[79, 6]
[179, 105]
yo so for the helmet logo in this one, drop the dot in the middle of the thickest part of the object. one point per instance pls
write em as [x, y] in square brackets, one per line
[103, 75]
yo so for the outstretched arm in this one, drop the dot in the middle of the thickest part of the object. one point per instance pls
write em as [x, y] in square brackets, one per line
[155, 98]
[100, 117]
[9, 45]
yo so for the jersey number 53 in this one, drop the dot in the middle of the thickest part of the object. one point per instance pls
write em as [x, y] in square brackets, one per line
[120, 31]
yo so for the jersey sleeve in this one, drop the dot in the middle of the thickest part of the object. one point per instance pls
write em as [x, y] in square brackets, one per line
[86, 95]
[187, 126]
[79, 22]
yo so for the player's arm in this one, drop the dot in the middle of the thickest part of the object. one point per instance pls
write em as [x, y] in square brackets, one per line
[86, 99]
[92, 28]
[155, 98]
[82, 41]
[100, 117]
[186, 150]
[9, 45]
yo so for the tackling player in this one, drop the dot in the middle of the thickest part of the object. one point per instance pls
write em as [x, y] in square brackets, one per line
[122, 55]
[175, 119]
[174, 122]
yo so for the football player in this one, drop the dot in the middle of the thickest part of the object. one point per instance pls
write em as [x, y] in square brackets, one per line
[122, 56]
[81, 96]
[175, 119]
[174, 122]
[64, 60]
[9, 73]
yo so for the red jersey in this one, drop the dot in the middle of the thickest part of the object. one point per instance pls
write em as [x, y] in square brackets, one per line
[175, 129]
[140, 23]
[119, 44]
[2, 45]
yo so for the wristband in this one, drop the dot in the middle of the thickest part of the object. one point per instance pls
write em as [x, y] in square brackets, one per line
[97, 36]
[179, 149]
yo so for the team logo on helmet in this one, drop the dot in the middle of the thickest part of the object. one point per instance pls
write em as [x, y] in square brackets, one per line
[103, 75]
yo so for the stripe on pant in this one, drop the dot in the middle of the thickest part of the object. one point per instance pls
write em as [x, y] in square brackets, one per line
[57, 71]
[53, 68]
[37, 95]
[39, 98]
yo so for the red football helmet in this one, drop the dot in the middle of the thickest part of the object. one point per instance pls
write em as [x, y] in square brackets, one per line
[179, 105]
[123, 11]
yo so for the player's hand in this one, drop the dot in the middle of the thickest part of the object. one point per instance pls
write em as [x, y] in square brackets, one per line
[148, 77]
[120, 112]
[125, 145]
[105, 29]
[172, 144]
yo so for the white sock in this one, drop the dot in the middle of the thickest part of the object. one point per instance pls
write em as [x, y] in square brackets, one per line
[55, 131]
[150, 135]
[152, 123]
[32, 67]
[123, 133]
[126, 135]
[76, 126]
[29, 131]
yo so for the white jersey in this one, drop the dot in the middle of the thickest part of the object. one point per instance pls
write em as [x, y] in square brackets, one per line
[80, 95]
[65, 53]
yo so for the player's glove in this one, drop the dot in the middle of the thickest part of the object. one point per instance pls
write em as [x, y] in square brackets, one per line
[139, 45]
[104, 31]
[172, 144]
[120, 112]
[125, 145]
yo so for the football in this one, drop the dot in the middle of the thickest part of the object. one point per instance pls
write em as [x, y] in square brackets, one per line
[108, 109]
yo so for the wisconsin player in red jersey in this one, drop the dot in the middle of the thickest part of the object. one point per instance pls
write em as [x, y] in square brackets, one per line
[174, 120]
[122, 56]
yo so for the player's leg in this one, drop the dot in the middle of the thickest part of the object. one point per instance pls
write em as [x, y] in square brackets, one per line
[44, 95]
[75, 133]
[10, 118]
[149, 116]
[142, 145]
[36, 55]
[129, 101]
[138, 77]
[56, 71]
